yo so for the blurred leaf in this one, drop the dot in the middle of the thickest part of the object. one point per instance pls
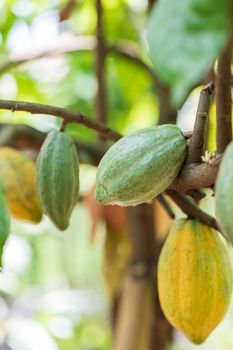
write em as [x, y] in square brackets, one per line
[185, 38]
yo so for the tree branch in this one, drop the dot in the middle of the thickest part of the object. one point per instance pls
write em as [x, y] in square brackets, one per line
[223, 99]
[197, 139]
[195, 176]
[101, 100]
[193, 211]
[67, 115]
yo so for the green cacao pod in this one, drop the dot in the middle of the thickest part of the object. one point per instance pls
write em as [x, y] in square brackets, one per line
[140, 166]
[4, 221]
[57, 177]
[194, 279]
[224, 193]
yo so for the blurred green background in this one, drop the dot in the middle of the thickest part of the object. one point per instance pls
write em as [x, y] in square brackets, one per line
[52, 292]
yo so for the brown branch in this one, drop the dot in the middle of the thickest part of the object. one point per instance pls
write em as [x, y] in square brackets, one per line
[195, 176]
[193, 211]
[196, 141]
[67, 115]
[223, 99]
[101, 100]
[67, 10]
[162, 200]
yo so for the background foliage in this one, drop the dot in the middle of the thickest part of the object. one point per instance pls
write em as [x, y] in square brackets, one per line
[52, 290]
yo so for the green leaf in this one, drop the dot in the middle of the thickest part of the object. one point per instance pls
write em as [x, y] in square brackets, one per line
[184, 38]
[4, 222]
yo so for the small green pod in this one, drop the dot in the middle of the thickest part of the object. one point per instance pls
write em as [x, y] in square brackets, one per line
[57, 177]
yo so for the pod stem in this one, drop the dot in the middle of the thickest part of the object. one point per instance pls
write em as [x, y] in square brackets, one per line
[163, 201]
[187, 205]
[63, 125]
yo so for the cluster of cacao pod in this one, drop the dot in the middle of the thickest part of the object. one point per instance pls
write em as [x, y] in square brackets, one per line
[194, 270]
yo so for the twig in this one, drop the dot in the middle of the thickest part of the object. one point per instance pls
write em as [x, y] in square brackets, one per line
[67, 10]
[193, 211]
[67, 115]
[162, 200]
[223, 99]
[101, 100]
[196, 141]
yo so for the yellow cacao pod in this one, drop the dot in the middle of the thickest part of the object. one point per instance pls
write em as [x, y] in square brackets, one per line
[194, 279]
[17, 173]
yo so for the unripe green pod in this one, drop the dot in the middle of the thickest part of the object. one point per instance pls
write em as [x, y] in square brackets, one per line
[57, 177]
[4, 221]
[140, 166]
[224, 193]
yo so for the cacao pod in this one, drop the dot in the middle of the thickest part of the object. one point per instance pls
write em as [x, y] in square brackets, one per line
[194, 279]
[17, 173]
[57, 177]
[4, 221]
[140, 166]
[224, 193]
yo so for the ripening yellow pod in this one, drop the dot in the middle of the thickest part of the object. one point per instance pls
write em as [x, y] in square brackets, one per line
[194, 279]
[17, 173]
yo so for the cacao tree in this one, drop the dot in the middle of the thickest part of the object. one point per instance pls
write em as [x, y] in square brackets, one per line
[144, 173]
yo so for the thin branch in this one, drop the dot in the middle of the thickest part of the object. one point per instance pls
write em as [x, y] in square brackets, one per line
[67, 10]
[67, 115]
[196, 141]
[223, 99]
[193, 211]
[101, 100]
[162, 200]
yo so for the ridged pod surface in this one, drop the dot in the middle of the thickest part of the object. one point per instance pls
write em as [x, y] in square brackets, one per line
[4, 221]
[57, 177]
[18, 174]
[194, 279]
[140, 166]
[224, 193]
